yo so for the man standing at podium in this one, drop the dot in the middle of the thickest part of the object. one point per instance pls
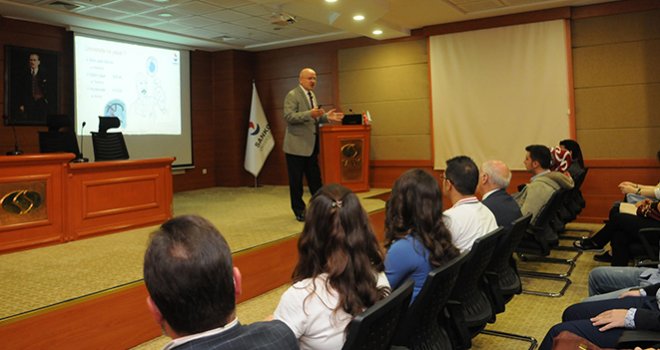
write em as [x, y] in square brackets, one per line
[303, 115]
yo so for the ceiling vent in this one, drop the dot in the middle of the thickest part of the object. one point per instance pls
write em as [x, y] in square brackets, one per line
[64, 5]
[282, 19]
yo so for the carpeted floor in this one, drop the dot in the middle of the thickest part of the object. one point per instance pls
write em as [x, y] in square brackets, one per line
[526, 314]
[39, 278]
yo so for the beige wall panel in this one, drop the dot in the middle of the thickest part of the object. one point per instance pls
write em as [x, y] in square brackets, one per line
[617, 64]
[618, 106]
[620, 143]
[408, 82]
[408, 147]
[379, 56]
[617, 28]
[396, 117]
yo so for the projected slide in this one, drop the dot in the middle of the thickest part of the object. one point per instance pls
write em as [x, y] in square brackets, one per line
[139, 84]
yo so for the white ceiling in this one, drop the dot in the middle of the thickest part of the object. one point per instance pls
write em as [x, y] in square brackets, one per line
[256, 25]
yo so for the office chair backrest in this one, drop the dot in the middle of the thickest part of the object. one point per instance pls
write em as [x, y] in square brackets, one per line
[420, 328]
[109, 146]
[374, 328]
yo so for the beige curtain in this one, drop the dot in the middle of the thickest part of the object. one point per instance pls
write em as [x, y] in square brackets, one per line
[495, 91]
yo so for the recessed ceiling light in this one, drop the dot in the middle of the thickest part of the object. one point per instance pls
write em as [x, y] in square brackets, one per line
[358, 18]
[330, 1]
[377, 32]
[161, 1]
[165, 15]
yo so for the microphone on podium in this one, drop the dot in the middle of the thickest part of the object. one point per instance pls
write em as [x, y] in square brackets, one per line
[79, 157]
[17, 149]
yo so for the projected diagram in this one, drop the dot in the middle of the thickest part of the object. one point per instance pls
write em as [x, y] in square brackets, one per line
[139, 85]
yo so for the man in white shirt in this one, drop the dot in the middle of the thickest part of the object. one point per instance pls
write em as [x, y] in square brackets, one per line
[467, 219]
[193, 287]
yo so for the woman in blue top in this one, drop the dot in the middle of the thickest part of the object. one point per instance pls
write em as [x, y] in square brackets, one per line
[415, 235]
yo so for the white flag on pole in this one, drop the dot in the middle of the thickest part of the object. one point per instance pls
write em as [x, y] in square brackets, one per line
[259, 138]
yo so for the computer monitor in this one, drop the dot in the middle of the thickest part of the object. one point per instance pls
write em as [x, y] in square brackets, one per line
[352, 119]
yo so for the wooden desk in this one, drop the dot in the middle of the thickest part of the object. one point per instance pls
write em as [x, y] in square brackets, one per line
[46, 199]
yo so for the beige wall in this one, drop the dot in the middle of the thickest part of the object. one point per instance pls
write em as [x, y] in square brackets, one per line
[616, 64]
[391, 81]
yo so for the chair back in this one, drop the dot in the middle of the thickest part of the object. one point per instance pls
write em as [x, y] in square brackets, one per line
[540, 239]
[375, 327]
[501, 262]
[470, 290]
[420, 328]
[109, 146]
[56, 141]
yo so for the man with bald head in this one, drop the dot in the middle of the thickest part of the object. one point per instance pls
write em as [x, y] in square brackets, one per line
[303, 115]
[494, 179]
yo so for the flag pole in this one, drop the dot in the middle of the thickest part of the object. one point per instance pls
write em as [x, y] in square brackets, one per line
[256, 183]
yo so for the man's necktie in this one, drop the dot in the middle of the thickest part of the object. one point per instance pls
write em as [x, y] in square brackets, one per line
[311, 99]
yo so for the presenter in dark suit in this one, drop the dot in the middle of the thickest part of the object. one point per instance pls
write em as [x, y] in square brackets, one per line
[193, 287]
[495, 178]
[303, 115]
[33, 91]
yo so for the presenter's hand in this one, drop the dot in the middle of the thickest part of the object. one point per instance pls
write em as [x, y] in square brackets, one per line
[335, 117]
[317, 113]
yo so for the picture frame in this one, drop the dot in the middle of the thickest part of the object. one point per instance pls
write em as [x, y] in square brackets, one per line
[30, 97]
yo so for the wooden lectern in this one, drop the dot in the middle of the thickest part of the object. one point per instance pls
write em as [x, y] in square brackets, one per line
[345, 155]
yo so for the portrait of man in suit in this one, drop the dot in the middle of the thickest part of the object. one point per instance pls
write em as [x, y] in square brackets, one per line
[32, 85]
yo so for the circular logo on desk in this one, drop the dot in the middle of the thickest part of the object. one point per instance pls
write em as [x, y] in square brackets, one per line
[21, 202]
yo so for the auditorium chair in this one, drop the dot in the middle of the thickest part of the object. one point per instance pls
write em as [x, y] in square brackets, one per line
[502, 276]
[642, 338]
[375, 327]
[60, 136]
[469, 305]
[109, 145]
[536, 246]
[573, 204]
[424, 325]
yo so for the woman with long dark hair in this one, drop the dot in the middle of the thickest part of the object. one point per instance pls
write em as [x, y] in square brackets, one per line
[577, 166]
[415, 235]
[339, 272]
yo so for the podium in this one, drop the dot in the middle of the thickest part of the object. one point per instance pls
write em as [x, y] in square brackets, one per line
[345, 155]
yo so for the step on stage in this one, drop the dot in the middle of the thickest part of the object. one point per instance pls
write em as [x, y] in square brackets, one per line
[89, 293]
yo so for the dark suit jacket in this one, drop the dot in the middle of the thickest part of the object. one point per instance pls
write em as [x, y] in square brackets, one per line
[259, 335]
[504, 207]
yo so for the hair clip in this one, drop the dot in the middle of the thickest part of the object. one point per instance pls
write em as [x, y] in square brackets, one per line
[337, 204]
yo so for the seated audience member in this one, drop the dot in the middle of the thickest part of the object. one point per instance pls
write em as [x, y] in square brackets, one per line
[467, 219]
[534, 196]
[610, 282]
[416, 238]
[192, 291]
[495, 178]
[576, 168]
[339, 271]
[602, 322]
[621, 230]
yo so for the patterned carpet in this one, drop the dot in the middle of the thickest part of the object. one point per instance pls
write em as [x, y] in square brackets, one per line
[525, 315]
[35, 279]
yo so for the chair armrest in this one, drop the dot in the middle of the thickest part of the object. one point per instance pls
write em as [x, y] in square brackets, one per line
[494, 292]
[456, 321]
[632, 338]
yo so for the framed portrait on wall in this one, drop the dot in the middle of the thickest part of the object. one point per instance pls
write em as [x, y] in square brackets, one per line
[31, 85]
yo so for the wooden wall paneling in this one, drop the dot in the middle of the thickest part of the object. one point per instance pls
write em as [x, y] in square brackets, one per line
[232, 92]
[614, 7]
[600, 189]
[203, 133]
[383, 173]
